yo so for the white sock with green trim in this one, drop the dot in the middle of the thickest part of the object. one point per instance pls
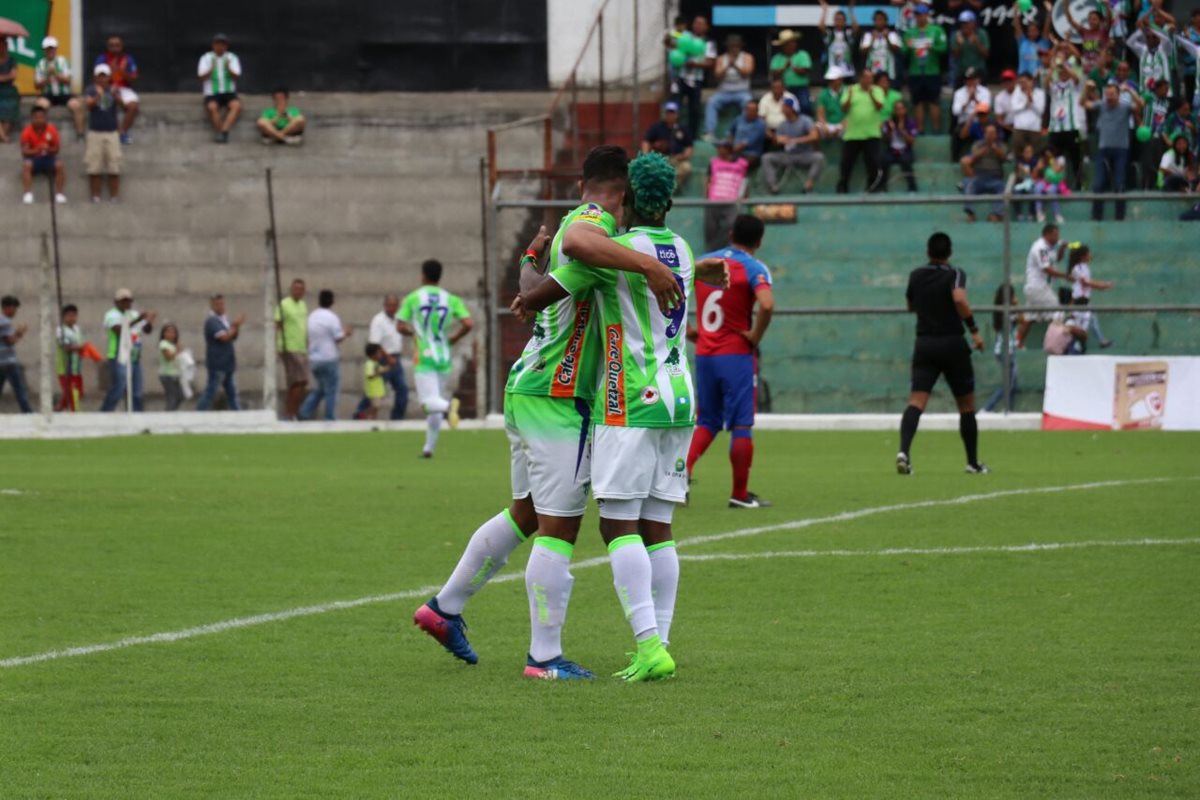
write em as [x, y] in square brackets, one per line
[664, 581]
[548, 581]
[434, 426]
[485, 554]
[631, 578]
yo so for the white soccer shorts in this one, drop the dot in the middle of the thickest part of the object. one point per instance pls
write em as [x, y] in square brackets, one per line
[431, 391]
[636, 463]
[548, 439]
[1041, 297]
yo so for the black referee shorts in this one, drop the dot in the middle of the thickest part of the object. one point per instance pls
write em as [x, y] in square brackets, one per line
[943, 355]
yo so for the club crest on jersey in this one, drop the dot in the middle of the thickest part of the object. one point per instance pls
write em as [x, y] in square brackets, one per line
[673, 363]
[592, 213]
[614, 376]
[568, 368]
[650, 396]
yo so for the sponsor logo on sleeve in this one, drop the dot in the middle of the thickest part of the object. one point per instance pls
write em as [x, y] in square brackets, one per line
[614, 376]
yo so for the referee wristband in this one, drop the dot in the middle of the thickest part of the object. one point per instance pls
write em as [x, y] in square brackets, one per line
[971, 326]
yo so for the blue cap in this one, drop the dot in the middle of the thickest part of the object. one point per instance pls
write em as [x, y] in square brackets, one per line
[790, 103]
[921, 8]
[670, 105]
[967, 16]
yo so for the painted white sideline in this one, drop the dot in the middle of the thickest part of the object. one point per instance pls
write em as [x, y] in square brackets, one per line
[1032, 547]
[426, 591]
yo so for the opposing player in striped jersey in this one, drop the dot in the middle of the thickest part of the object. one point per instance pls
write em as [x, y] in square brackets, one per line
[547, 419]
[644, 411]
[427, 314]
[726, 355]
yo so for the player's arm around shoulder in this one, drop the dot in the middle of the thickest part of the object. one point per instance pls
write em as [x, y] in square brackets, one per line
[589, 243]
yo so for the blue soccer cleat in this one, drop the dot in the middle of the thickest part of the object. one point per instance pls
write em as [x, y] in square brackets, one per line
[556, 669]
[448, 629]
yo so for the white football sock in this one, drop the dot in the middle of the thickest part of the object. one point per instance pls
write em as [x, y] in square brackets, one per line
[434, 422]
[631, 578]
[664, 580]
[485, 554]
[548, 581]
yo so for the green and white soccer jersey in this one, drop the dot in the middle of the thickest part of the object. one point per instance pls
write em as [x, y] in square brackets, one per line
[562, 357]
[430, 311]
[1064, 106]
[222, 70]
[645, 380]
[62, 68]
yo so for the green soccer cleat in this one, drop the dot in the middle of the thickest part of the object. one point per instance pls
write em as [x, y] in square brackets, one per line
[654, 665]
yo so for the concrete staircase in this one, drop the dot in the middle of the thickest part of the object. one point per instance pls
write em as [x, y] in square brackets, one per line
[382, 182]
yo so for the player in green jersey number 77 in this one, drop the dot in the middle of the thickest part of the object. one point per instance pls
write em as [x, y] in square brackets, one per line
[644, 410]
[547, 419]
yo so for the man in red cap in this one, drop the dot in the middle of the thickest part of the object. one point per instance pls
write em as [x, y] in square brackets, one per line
[1002, 102]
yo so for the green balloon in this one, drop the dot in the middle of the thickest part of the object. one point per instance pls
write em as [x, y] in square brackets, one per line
[1025, 6]
[677, 57]
[1143, 133]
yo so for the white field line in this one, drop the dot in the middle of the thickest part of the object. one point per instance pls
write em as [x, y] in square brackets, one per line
[1032, 547]
[426, 591]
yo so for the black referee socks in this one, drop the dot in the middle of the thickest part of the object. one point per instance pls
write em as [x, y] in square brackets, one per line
[969, 431]
[908, 427]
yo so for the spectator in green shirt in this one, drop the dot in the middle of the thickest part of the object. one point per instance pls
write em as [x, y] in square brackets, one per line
[793, 65]
[862, 102]
[971, 46]
[281, 123]
[291, 322]
[890, 95]
[829, 105]
[924, 43]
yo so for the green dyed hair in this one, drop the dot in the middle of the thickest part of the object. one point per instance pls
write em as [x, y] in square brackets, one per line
[652, 182]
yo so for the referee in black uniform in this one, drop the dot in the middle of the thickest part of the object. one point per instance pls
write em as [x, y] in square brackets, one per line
[937, 292]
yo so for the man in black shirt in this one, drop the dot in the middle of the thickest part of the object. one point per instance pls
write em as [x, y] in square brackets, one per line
[937, 293]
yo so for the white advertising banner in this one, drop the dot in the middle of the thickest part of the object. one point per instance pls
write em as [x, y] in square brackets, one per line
[1122, 393]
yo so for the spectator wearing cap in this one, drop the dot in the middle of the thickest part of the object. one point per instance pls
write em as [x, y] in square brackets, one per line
[984, 170]
[282, 123]
[749, 135]
[10, 368]
[102, 152]
[125, 327]
[924, 43]
[219, 71]
[733, 70]
[1002, 102]
[219, 355]
[830, 113]
[970, 47]
[1028, 104]
[770, 105]
[1115, 113]
[725, 183]
[863, 104]
[794, 66]
[797, 136]
[40, 144]
[672, 139]
[124, 75]
[10, 97]
[1030, 39]
[838, 40]
[52, 78]
[973, 130]
[964, 106]
[881, 46]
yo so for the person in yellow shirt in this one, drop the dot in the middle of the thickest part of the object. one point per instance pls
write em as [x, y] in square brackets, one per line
[373, 386]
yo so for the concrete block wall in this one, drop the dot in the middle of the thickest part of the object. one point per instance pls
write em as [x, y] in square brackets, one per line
[382, 182]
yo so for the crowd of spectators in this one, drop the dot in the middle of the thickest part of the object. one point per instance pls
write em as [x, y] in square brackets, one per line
[104, 114]
[1119, 93]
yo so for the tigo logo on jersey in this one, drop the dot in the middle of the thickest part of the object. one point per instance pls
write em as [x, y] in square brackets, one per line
[568, 369]
[614, 376]
[650, 396]
[667, 254]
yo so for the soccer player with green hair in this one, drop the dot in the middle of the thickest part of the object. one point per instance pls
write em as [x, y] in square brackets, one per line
[547, 418]
[644, 410]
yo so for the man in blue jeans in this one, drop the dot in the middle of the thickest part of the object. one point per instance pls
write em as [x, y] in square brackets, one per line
[325, 333]
[219, 355]
[1114, 114]
[383, 332]
[10, 368]
[984, 171]
[123, 316]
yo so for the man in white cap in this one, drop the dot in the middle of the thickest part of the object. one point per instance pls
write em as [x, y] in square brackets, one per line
[125, 328]
[52, 77]
[102, 153]
[124, 74]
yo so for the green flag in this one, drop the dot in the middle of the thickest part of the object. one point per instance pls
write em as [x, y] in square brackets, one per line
[35, 16]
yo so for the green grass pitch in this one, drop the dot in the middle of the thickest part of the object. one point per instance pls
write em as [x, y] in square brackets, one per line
[811, 664]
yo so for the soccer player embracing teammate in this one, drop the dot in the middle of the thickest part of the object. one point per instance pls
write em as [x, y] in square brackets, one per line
[727, 357]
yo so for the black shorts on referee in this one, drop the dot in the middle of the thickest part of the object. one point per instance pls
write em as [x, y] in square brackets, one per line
[943, 355]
